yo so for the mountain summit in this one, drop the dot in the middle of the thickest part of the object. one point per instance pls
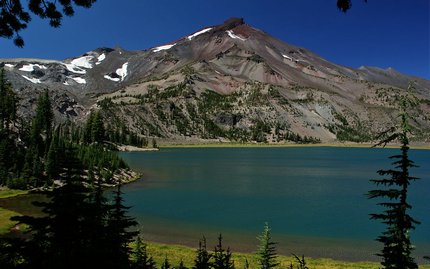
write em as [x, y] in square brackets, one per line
[224, 82]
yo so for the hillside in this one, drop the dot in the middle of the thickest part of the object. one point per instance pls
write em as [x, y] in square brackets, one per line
[224, 82]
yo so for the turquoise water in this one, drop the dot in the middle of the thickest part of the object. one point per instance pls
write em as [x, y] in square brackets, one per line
[313, 197]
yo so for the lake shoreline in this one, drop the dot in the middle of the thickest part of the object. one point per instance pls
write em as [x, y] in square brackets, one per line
[292, 145]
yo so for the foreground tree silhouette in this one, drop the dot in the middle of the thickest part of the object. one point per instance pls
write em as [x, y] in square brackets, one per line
[397, 245]
[266, 253]
[222, 257]
[345, 5]
[120, 236]
[8, 148]
[141, 258]
[14, 17]
[202, 260]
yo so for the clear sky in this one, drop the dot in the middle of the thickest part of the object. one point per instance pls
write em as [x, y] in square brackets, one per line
[382, 33]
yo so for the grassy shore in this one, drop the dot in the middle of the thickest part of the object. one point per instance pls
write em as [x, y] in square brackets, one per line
[176, 253]
[5, 223]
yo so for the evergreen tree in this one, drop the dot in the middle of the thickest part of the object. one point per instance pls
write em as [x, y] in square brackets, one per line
[202, 260]
[97, 130]
[246, 265]
[182, 265]
[59, 239]
[8, 103]
[141, 258]
[396, 252]
[154, 143]
[94, 130]
[266, 253]
[8, 148]
[165, 264]
[95, 230]
[44, 116]
[222, 257]
[301, 261]
[120, 237]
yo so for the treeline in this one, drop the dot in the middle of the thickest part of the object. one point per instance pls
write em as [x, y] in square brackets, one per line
[33, 154]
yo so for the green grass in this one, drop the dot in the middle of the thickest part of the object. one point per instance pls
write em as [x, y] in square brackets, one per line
[177, 253]
[7, 193]
[5, 223]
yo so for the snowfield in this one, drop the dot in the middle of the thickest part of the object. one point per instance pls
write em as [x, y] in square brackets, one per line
[122, 72]
[75, 69]
[83, 62]
[165, 47]
[232, 35]
[33, 80]
[30, 67]
[80, 80]
[111, 78]
[287, 57]
[199, 33]
[100, 59]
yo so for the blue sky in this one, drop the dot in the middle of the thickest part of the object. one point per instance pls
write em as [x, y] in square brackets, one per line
[382, 33]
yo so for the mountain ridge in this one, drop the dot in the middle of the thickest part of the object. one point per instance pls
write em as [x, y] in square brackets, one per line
[305, 94]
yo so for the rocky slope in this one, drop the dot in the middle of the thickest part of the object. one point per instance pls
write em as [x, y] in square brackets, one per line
[225, 82]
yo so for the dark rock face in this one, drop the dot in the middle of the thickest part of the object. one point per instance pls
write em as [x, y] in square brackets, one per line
[230, 24]
[263, 85]
[227, 119]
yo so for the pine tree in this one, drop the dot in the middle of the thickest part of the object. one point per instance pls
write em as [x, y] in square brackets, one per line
[222, 257]
[141, 258]
[301, 261]
[88, 129]
[181, 265]
[120, 236]
[396, 252]
[97, 128]
[8, 103]
[165, 264]
[246, 265]
[202, 260]
[58, 239]
[44, 116]
[8, 149]
[266, 253]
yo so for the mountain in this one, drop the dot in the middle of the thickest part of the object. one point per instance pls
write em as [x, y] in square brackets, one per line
[224, 82]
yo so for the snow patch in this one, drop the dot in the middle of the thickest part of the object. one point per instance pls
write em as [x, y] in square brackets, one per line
[100, 59]
[9, 65]
[75, 69]
[80, 80]
[111, 78]
[122, 72]
[287, 57]
[66, 83]
[30, 67]
[290, 58]
[165, 47]
[34, 80]
[199, 33]
[232, 35]
[83, 62]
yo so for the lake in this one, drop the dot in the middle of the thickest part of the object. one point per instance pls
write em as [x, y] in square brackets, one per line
[314, 198]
